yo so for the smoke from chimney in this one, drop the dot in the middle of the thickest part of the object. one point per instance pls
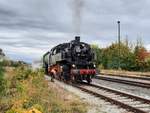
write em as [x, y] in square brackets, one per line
[77, 15]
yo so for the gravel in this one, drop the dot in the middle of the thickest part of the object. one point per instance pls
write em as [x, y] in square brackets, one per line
[138, 91]
[96, 105]
[124, 78]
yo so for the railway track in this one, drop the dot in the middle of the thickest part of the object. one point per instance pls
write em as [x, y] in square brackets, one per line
[124, 100]
[123, 81]
[127, 101]
[133, 77]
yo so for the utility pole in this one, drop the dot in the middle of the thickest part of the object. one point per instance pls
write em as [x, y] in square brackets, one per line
[118, 44]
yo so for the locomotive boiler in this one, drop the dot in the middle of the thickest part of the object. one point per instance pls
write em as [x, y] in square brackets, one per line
[72, 61]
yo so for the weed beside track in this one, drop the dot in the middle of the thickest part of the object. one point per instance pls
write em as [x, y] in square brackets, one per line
[27, 90]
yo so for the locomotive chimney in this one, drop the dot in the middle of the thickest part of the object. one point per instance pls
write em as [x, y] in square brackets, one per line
[77, 38]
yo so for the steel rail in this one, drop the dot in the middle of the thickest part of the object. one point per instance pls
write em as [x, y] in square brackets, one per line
[122, 93]
[126, 76]
[111, 100]
[114, 101]
[129, 82]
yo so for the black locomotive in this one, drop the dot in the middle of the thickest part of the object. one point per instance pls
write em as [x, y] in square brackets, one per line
[71, 61]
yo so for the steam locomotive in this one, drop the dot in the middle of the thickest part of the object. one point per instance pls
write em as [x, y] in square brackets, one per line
[73, 61]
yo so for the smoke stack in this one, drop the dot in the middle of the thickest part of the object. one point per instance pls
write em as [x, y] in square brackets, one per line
[77, 38]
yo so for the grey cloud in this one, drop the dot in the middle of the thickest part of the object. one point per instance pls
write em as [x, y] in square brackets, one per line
[42, 24]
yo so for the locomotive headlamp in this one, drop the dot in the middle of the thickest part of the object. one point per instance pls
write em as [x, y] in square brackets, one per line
[73, 65]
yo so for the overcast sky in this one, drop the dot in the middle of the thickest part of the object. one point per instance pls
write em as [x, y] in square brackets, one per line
[28, 28]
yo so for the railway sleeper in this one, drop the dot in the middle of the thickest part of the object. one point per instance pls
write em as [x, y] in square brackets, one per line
[123, 105]
[123, 94]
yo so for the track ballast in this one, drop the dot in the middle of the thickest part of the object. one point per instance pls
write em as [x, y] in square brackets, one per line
[123, 81]
[124, 100]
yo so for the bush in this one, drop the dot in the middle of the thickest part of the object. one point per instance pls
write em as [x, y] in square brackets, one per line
[29, 92]
[123, 56]
[3, 82]
[23, 73]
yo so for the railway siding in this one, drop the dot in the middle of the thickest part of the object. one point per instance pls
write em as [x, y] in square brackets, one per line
[130, 102]
[122, 99]
[96, 105]
[133, 82]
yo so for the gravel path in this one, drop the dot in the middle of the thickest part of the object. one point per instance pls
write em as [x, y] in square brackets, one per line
[96, 105]
[143, 92]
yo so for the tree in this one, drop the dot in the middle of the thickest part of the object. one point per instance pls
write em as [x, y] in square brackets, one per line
[131, 58]
[111, 56]
[141, 56]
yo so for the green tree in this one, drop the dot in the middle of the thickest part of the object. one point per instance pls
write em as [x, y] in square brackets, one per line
[131, 58]
[110, 57]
